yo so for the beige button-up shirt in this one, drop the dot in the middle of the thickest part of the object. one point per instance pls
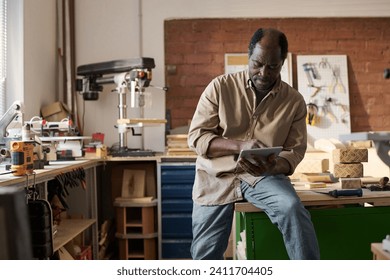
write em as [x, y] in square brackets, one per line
[227, 109]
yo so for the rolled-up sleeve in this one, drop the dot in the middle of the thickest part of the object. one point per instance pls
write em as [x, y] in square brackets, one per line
[296, 142]
[205, 122]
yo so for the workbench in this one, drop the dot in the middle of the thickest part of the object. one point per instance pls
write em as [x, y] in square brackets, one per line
[83, 202]
[345, 226]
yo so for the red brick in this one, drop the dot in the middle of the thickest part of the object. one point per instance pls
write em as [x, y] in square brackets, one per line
[197, 47]
[198, 58]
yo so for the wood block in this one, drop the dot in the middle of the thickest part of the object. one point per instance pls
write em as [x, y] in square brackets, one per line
[350, 183]
[316, 177]
[315, 185]
[348, 170]
[350, 155]
[361, 144]
[313, 166]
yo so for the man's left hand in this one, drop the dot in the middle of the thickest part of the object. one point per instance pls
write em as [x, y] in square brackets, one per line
[258, 167]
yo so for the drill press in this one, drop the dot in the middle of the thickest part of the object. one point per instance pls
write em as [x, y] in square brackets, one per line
[130, 76]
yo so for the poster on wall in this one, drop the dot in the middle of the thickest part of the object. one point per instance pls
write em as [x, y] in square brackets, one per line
[235, 62]
[323, 81]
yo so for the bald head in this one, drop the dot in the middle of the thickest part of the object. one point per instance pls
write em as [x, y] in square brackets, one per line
[269, 38]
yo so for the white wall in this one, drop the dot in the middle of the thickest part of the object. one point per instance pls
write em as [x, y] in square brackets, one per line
[31, 63]
[106, 30]
[15, 56]
[110, 29]
[39, 55]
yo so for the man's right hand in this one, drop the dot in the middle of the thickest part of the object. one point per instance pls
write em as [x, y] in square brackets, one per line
[225, 147]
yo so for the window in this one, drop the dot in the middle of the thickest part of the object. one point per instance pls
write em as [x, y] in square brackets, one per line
[3, 54]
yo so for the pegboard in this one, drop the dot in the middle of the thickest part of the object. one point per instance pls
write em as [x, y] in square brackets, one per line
[323, 81]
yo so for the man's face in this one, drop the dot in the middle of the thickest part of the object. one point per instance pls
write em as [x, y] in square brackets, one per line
[265, 64]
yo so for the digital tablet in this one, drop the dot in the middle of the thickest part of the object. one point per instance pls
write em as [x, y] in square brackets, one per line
[260, 153]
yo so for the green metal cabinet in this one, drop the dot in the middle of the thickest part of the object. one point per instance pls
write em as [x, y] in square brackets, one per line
[343, 233]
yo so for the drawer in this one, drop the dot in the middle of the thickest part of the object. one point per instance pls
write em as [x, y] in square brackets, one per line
[176, 249]
[176, 206]
[176, 190]
[176, 226]
[177, 174]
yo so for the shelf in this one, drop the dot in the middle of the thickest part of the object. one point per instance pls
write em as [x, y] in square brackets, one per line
[136, 235]
[69, 229]
[122, 202]
[145, 248]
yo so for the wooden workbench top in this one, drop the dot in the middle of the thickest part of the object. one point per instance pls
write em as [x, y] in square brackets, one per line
[314, 198]
[49, 172]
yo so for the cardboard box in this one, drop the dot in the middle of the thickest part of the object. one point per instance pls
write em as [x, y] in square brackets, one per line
[350, 155]
[55, 112]
[348, 170]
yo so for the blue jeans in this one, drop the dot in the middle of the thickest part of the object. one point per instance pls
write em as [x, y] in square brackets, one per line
[275, 195]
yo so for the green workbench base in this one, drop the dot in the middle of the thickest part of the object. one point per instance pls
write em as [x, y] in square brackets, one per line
[343, 233]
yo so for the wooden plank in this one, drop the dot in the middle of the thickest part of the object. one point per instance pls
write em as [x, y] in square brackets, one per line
[133, 183]
[49, 172]
[141, 120]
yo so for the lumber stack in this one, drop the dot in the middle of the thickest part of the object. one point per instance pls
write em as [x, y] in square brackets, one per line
[177, 145]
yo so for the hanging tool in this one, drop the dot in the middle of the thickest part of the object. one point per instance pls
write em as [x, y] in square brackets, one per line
[308, 69]
[317, 90]
[324, 64]
[349, 192]
[336, 85]
[312, 114]
[326, 110]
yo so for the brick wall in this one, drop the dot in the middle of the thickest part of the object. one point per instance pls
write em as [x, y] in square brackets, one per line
[195, 48]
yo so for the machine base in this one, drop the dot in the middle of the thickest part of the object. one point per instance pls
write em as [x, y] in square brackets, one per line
[132, 153]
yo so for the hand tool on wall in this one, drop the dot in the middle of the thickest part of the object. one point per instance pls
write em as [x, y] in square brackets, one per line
[317, 90]
[312, 114]
[336, 85]
[349, 192]
[308, 69]
[327, 111]
[324, 64]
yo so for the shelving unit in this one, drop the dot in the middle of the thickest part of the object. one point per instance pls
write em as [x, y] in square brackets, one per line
[136, 222]
[137, 229]
[82, 201]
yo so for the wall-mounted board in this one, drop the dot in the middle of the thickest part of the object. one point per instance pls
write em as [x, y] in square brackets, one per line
[323, 81]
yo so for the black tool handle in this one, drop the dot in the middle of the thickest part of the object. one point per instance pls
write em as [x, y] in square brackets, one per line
[351, 192]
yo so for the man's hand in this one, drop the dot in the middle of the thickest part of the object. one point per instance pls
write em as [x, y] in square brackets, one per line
[258, 166]
[223, 147]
